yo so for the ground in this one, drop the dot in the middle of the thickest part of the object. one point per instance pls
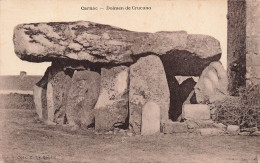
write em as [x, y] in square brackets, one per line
[24, 139]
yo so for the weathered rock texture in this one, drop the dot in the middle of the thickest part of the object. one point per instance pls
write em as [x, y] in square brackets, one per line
[57, 92]
[50, 104]
[114, 77]
[147, 83]
[40, 97]
[212, 85]
[87, 41]
[150, 119]
[37, 98]
[243, 43]
[82, 97]
[112, 105]
[233, 129]
[170, 127]
[210, 131]
[253, 42]
[196, 112]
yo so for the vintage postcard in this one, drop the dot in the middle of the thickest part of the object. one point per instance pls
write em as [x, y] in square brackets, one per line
[129, 81]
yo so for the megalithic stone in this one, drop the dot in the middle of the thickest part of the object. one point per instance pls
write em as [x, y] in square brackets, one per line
[112, 107]
[150, 119]
[99, 43]
[82, 97]
[57, 91]
[147, 83]
[39, 96]
[212, 85]
[50, 105]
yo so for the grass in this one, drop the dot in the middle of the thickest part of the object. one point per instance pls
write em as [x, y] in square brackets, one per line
[242, 110]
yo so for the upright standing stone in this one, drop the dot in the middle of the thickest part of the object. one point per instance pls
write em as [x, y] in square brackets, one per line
[50, 105]
[57, 92]
[37, 98]
[44, 104]
[82, 97]
[40, 96]
[112, 106]
[147, 83]
[150, 119]
[212, 85]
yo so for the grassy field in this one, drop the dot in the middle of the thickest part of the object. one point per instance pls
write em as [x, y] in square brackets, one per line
[24, 139]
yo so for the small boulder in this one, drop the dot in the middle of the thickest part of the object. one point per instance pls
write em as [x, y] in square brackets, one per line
[210, 131]
[150, 119]
[191, 124]
[256, 133]
[220, 126]
[233, 129]
[195, 112]
[200, 124]
[170, 127]
[244, 133]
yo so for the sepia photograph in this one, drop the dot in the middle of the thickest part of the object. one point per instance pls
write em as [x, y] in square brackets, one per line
[171, 81]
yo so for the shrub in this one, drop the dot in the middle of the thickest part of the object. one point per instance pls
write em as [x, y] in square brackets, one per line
[242, 110]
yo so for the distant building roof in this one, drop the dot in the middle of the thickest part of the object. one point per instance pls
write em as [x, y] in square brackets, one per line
[17, 83]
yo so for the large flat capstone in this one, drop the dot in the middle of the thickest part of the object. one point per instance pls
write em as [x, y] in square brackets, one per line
[98, 43]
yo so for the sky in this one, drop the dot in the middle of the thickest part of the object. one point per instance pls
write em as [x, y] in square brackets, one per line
[194, 16]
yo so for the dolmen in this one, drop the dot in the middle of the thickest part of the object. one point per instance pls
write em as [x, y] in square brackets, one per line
[107, 77]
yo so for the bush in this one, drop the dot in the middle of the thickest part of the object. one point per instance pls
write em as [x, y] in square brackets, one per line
[242, 110]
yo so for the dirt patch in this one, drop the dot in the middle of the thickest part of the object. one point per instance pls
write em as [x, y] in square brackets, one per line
[24, 139]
